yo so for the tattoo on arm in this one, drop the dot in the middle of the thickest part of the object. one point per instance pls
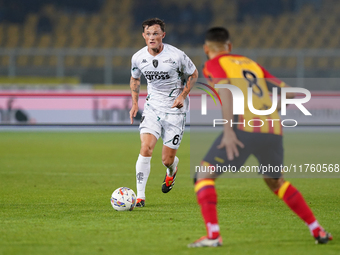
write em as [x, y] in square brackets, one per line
[184, 94]
[135, 99]
[134, 85]
[188, 86]
[188, 82]
[191, 81]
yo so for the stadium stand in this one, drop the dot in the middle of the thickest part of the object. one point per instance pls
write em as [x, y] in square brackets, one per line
[106, 24]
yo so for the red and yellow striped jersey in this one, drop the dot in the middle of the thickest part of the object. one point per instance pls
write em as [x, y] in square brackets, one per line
[243, 72]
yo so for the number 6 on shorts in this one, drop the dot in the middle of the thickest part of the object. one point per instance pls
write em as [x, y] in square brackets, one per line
[175, 140]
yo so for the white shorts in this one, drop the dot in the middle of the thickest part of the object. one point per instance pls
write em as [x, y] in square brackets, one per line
[169, 126]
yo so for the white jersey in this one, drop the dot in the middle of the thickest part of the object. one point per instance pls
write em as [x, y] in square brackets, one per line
[166, 75]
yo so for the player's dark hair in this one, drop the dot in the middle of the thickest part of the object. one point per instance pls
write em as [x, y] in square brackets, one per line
[217, 34]
[153, 21]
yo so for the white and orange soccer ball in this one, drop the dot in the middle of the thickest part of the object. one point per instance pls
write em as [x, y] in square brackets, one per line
[123, 199]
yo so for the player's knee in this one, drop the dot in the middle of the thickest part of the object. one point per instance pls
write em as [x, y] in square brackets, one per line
[146, 150]
[167, 160]
[274, 184]
[206, 175]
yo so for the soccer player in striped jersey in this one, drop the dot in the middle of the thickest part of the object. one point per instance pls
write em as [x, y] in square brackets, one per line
[237, 143]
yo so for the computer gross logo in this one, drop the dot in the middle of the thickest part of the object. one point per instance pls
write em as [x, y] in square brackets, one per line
[157, 75]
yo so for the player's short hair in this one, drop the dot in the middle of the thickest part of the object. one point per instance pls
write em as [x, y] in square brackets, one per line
[217, 34]
[153, 21]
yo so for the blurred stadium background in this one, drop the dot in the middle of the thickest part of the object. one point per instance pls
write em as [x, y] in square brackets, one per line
[67, 62]
[88, 44]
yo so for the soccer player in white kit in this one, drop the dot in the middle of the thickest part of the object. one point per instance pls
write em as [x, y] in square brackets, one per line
[170, 75]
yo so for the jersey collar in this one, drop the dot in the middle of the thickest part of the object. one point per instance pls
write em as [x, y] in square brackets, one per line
[164, 45]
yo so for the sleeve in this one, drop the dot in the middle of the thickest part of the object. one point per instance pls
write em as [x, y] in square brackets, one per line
[215, 74]
[135, 71]
[272, 81]
[187, 66]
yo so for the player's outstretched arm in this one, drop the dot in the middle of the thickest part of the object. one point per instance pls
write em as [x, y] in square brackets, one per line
[179, 101]
[229, 140]
[134, 86]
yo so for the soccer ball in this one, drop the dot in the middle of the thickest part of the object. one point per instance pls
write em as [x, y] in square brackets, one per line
[123, 199]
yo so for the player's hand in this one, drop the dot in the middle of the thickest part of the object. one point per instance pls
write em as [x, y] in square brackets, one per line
[133, 112]
[178, 103]
[230, 142]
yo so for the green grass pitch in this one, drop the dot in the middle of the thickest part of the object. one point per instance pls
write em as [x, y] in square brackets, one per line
[55, 192]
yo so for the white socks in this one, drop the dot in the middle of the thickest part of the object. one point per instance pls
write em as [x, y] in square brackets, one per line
[212, 228]
[171, 170]
[142, 174]
[314, 225]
